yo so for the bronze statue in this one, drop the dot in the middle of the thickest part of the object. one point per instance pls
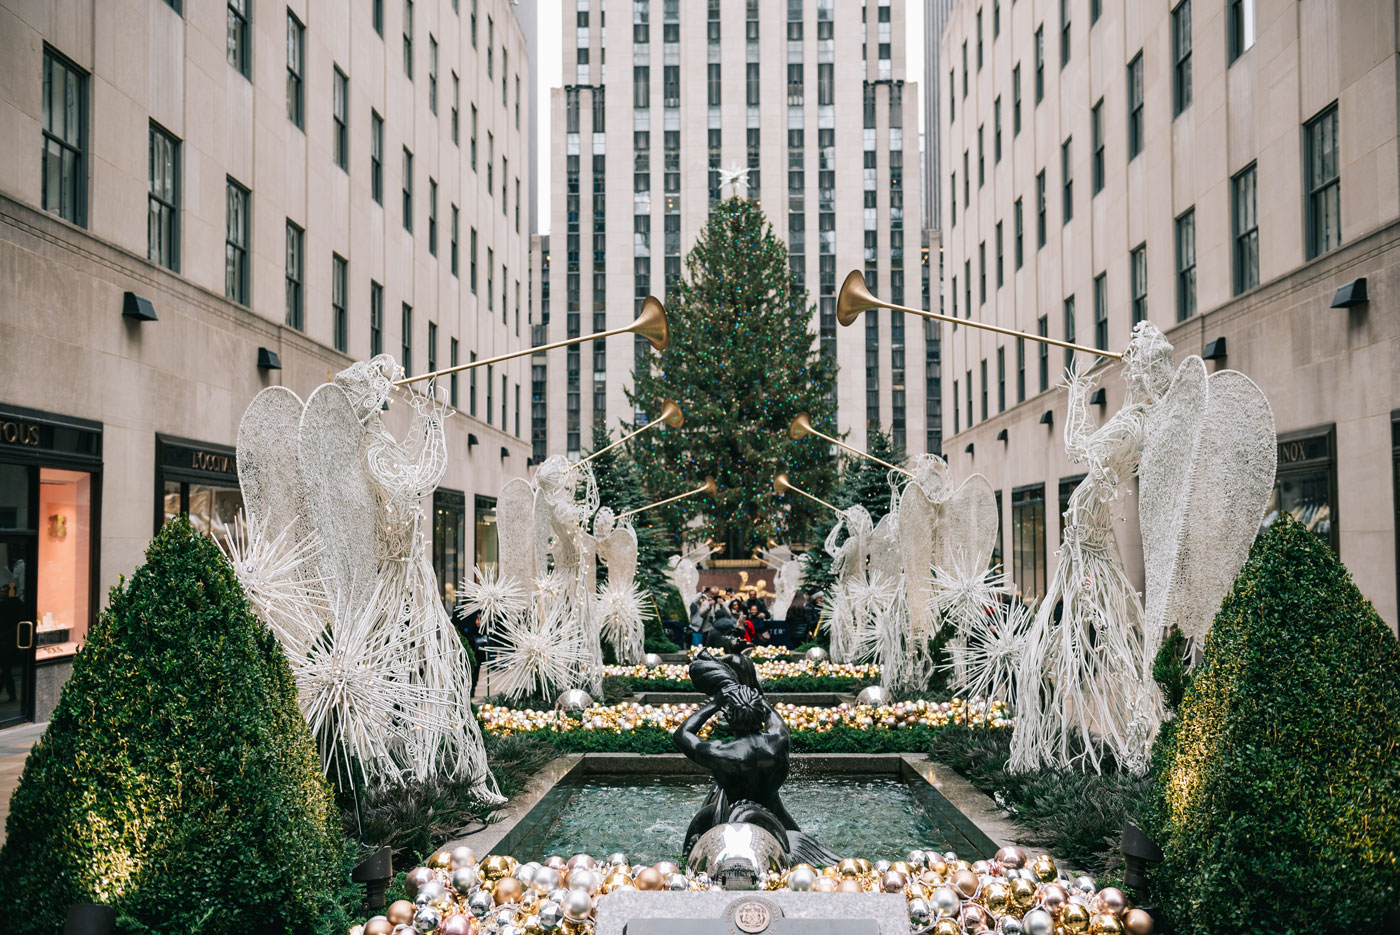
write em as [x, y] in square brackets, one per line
[748, 768]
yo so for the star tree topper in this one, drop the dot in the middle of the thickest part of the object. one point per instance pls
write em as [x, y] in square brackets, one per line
[736, 178]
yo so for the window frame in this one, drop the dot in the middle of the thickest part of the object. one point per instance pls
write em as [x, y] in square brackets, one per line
[1137, 277]
[1101, 311]
[160, 204]
[340, 118]
[1181, 58]
[1185, 223]
[238, 46]
[1136, 126]
[237, 275]
[340, 310]
[74, 187]
[1244, 239]
[1322, 197]
[296, 71]
[294, 273]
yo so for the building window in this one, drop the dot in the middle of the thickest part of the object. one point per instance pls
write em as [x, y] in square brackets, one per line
[1305, 482]
[996, 129]
[1064, 33]
[952, 96]
[432, 352]
[517, 410]
[1246, 229]
[1067, 172]
[408, 39]
[340, 112]
[473, 152]
[1135, 126]
[1101, 311]
[1042, 327]
[1186, 265]
[376, 319]
[953, 201]
[1039, 64]
[377, 14]
[456, 110]
[64, 184]
[376, 157]
[449, 542]
[713, 85]
[1138, 267]
[1019, 230]
[432, 217]
[964, 67]
[407, 190]
[979, 39]
[957, 410]
[471, 258]
[982, 273]
[1239, 15]
[340, 316]
[237, 39]
[1016, 100]
[1096, 128]
[295, 289]
[490, 279]
[1028, 541]
[751, 86]
[296, 59]
[1001, 379]
[473, 23]
[981, 159]
[236, 242]
[452, 361]
[1324, 183]
[455, 221]
[1069, 332]
[163, 203]
[406, 335]
[1181, 51]
[432, 73]
[983, 373]
[1095, 11]
[1020, 370]
[471, 385]
[1001, 259]
[1040, 209]
[968, 378]
[490, 393]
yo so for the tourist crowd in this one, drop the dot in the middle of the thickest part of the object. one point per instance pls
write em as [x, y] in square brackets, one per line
[716, 616]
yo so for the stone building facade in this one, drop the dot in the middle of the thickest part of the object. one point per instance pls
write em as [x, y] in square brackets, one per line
[1228, 170]
[201, 200]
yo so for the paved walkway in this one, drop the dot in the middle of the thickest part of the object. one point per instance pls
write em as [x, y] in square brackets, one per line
[15, 744]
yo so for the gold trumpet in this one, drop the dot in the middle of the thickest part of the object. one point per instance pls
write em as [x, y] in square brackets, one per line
[856, 298]
[650, 324]
[801, 427]
[670, 415]
[781, 485]
[708, 487]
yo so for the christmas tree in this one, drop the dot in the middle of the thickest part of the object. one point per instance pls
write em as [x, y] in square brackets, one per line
[863, 482]
[742, 362]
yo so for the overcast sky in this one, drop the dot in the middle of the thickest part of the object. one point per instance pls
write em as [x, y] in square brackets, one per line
[550, 66]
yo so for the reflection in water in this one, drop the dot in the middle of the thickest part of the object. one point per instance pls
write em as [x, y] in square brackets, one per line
[646, 818]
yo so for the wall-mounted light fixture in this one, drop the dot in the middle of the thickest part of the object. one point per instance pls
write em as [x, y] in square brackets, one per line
[138, 308]
[1215, 350]
[968, 449]
[1349, 295]
[268, 359]
[1047, 417]
[472, 441]
[505, 452]
[1002, 436]
[1099, 397]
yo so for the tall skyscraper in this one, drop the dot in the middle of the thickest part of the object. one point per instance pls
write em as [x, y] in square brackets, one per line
[802, 94]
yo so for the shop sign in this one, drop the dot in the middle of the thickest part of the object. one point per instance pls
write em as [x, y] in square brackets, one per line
[16, 432]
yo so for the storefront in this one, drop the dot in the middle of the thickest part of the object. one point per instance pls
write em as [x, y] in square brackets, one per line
[449, 542]
[486, 541]
[197, 478]
[1305, 486]
[50, 505]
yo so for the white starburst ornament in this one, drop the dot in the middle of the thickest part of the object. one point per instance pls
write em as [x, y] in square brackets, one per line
[492, 595]
[736, 179]
[538, 653]
[624, 616]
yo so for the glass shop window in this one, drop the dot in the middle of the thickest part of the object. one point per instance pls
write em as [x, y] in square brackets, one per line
[211, 508]
[1028, 541]
[1305, 483]
[485, 552]
[449, 543]
[64, 582]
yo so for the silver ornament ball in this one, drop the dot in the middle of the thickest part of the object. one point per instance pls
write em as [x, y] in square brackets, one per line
[816, 655]
[577, 906]
[652, 660]
[1038, 922]
[874, 695]
[573, 701]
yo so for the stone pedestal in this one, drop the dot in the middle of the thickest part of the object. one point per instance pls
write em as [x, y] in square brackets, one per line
[752, 913]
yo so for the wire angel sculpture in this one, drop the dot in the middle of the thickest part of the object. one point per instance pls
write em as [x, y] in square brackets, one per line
[620, 603]
[328, 475]
[1085, 687]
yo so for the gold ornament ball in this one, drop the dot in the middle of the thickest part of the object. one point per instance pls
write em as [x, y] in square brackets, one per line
[1023, 893]
[495, 867]
[865, 865]
[400, 912]
[649, 879]
[893, 881]
[938, 865]
[903, 867]
[996, 896]
[379, 925]
[1044, 868]
[848, 868]
[1137, 922]
[1106, 924]
[442, 860]
[960, 865]
[947, 927]
[507, 890]
[1074, 918]
[850, 885]
[916, 890]
[965, 882]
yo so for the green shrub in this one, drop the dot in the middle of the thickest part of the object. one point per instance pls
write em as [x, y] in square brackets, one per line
[620, 687]
[1169, 670]
[841, 739]
[1277, 787]
[177, 781]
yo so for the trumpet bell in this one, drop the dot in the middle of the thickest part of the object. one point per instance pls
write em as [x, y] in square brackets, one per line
[651, 324]
[781, 483]
[854, 298]
[710, 486]
[800, 427]
[671, 414]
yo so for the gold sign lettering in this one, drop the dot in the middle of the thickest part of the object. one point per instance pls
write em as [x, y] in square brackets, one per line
[211, 461]
[19, 433]
[1288, 452]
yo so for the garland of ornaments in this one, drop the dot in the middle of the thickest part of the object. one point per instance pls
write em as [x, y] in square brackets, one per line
[1011, 894]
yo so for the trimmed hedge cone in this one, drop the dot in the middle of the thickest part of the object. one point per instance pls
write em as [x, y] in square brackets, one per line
[1277, 801]
[177, 781]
